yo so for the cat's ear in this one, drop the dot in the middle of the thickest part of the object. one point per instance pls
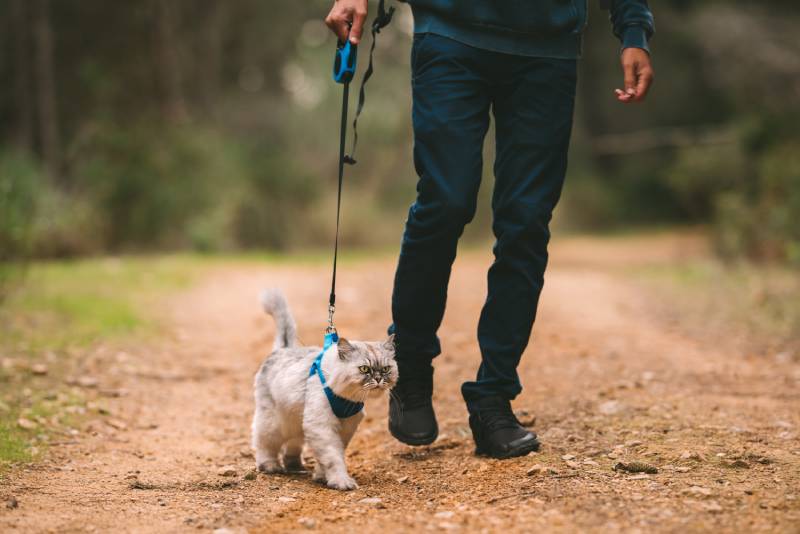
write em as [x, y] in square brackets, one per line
[344, 348]
[389, 344]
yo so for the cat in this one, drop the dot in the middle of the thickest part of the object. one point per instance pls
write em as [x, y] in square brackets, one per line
[293, 408]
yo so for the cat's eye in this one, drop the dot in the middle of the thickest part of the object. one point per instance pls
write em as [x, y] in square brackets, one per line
[386, 369]
[364, 368]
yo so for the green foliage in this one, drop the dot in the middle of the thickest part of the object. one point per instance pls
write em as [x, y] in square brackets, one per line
[19, 184]
[250, 162]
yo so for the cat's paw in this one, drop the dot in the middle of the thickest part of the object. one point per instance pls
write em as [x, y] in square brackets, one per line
[342, 482]
[269, 467]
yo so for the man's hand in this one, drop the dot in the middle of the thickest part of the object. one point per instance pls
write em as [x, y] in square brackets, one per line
[638, 75]
[347, 17]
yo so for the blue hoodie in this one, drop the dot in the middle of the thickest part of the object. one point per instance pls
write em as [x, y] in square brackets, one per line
[547, 28]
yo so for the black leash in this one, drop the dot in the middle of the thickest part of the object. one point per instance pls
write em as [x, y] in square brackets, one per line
[382, 19]
[342, 160]
[344, 69]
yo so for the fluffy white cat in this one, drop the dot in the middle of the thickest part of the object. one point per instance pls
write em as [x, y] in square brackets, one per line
[293, 408]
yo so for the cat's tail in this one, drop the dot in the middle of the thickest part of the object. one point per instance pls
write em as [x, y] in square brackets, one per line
[275, 304]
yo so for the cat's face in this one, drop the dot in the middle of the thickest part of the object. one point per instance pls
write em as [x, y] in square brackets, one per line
[370, 365]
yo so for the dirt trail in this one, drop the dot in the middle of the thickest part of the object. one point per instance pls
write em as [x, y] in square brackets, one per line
[605, 378]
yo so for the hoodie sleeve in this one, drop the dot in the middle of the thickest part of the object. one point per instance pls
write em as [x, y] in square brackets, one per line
[632, 22]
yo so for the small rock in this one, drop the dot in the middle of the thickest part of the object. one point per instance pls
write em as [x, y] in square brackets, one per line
[691, 455]
[87, 382]
[402, 479]
[116, 423]
[286, 499]
[307, 522]
[371, 500]
[712, 507]
[698, 491]
[445, 514]
[683, 469]
[39, 369]
[633, 443]
[553, 434]
[26, 424]
[737, 464]
[227, 471]
[537, 469]
[251, 475]
[568, 457]
[611, 407]
[587, 461]
[12, 503]
[573, 464]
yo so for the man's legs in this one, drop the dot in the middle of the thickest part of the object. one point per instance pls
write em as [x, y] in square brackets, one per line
[450, 116]
[451, 101]
[533, 107]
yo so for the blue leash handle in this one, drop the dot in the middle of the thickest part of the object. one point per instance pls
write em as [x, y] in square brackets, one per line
[344, 64]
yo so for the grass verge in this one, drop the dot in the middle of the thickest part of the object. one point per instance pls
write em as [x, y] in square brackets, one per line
[58, 312]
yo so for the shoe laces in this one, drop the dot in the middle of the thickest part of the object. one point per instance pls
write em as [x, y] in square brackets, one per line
[499, 416]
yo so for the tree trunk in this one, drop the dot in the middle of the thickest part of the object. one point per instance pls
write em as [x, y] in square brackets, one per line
[45, 88]
[212, 43]
[23, 127]
[167, 61]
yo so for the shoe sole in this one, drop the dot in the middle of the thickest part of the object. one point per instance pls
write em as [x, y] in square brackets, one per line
[524, 450]
[416, 442]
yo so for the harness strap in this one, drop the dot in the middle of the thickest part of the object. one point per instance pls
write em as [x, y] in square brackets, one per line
[382, 19]
[341, 407]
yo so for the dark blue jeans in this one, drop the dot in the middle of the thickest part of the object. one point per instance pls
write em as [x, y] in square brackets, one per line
[454, 88]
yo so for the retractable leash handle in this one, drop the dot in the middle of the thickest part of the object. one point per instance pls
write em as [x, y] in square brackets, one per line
[344, 64]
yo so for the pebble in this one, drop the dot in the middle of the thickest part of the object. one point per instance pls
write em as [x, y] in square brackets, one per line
[12, 503]
[286, 499]
[227, 471]
[402, 479]
[251, 475]
[573, 464]
[611, 407]
[698, 491]
[307, 522]
[445, 514]
[568, 457]
[87, 382]
[536, 470]
[26, 424]
[371, 500]
[39, 369]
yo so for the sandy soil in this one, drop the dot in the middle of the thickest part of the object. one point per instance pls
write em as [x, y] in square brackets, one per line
[606, 381]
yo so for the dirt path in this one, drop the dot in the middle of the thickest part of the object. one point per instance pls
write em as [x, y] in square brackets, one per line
[606, 379]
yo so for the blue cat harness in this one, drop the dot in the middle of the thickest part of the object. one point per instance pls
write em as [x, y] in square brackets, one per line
[342, 408]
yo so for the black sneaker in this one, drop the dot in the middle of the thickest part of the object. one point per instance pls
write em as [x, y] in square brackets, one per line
[496, 430]
[411, 416]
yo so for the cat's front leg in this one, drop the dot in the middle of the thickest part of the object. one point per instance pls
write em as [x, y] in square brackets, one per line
[323, 432]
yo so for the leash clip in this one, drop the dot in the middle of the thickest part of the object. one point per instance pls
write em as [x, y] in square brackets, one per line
[331, 329]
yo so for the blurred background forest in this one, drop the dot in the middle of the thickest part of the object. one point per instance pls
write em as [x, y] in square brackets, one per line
[211, 125]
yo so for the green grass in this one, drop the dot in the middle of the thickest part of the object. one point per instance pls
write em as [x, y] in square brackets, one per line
[61, 309]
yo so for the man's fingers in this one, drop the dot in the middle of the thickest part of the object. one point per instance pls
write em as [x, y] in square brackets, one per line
[644, 82]
[629, 70]
[339, 25]
[359, 17]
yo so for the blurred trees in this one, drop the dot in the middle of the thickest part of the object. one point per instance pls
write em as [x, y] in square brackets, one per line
[212, 124]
